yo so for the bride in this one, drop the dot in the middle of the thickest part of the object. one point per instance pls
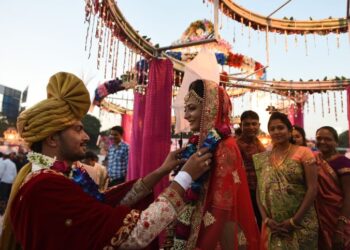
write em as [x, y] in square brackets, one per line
[219, 213]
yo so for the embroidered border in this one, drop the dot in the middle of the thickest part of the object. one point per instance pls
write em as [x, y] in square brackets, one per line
[174, 198]
[123, 233]
[138, 191]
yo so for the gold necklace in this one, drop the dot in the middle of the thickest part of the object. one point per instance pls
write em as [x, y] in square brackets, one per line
[273, 158]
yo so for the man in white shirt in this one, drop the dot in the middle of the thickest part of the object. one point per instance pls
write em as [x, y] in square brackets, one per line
[8, 174]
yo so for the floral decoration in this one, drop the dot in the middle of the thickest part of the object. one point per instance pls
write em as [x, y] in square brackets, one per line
[75, 173]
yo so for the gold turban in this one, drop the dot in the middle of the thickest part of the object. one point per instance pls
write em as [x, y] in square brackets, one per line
[67, 101]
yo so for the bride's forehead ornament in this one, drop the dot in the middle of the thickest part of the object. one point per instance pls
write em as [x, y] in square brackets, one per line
[193, 96]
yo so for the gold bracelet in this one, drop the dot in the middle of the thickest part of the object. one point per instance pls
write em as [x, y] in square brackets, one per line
[291, 221]
[344, 219]
[266, 220]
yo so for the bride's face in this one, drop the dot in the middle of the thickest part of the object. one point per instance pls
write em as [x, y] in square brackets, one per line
[193, 112]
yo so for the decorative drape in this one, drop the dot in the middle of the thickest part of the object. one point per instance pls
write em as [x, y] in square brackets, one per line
[151, 138]
[134, 165]
[127, 125]
[296, 114]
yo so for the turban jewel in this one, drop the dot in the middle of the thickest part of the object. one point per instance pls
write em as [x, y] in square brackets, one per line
[67, 101]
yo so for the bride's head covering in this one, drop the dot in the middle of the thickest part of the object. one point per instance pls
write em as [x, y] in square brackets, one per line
[204, 66]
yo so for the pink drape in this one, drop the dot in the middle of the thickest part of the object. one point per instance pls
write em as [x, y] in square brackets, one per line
[134, 166]
[151, 139]
[127, 125]
[296, 115]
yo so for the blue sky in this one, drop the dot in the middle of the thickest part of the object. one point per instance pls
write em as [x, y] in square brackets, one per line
[42, 37]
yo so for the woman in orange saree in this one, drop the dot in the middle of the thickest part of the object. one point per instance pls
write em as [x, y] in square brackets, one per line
[333, 199]
[221, 216]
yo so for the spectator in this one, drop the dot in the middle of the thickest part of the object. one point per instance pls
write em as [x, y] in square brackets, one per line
[117, 156]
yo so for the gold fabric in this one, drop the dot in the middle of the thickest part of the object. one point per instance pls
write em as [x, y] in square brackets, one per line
[67, 101]
[7, 239]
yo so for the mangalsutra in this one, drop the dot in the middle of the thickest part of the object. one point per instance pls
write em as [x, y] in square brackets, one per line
[273, 158]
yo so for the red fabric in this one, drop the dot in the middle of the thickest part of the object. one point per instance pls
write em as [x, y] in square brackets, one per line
[330, 200]
[134, 165]
[295, 115]
[228, 199]
[43, 206]
[127, 125]
[264, 239]
[156, 137]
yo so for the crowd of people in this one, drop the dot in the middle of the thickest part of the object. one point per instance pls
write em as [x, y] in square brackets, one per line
[228, 192]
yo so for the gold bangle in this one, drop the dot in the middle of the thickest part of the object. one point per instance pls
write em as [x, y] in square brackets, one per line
[291, 221]
[344, 219]
[266, 220]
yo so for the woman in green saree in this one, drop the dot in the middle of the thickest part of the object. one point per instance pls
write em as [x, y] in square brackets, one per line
[287, 187]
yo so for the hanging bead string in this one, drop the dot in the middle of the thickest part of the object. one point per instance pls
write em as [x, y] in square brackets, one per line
[99, 36]
[286, 41]
[329, 103]
[296, 40]
[308, 102]
[105, 38]
[342, 101]
[115, 65]
[108, 48]
[338, 42]
[111, 45]
[322, 104]
[306, 48]
[295, 109]
[88, 20]
[313, 102]
[242, 26]
[275, 38]
[242, 102]
[112, 56]
[130, 64]
[249, 37]
[92, 32]
[222, 13]
[258, 29]
[327, 45]
[234, 29]
[124, 62]
[335, 106]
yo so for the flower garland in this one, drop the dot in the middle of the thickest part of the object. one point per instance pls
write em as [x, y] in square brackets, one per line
[230, 59]
[183, 223]
[75, 173]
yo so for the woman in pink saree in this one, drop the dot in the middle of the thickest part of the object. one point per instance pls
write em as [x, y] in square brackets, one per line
[333, 199]
[221, 215]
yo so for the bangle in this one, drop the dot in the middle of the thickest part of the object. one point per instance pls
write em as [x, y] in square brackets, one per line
[184, 179]
[291, 221]
[266, 220]
[344, 219]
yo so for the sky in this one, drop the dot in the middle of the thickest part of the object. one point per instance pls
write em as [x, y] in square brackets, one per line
[39, 38]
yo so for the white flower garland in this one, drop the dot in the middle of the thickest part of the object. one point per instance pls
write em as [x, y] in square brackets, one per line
[40, 160]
